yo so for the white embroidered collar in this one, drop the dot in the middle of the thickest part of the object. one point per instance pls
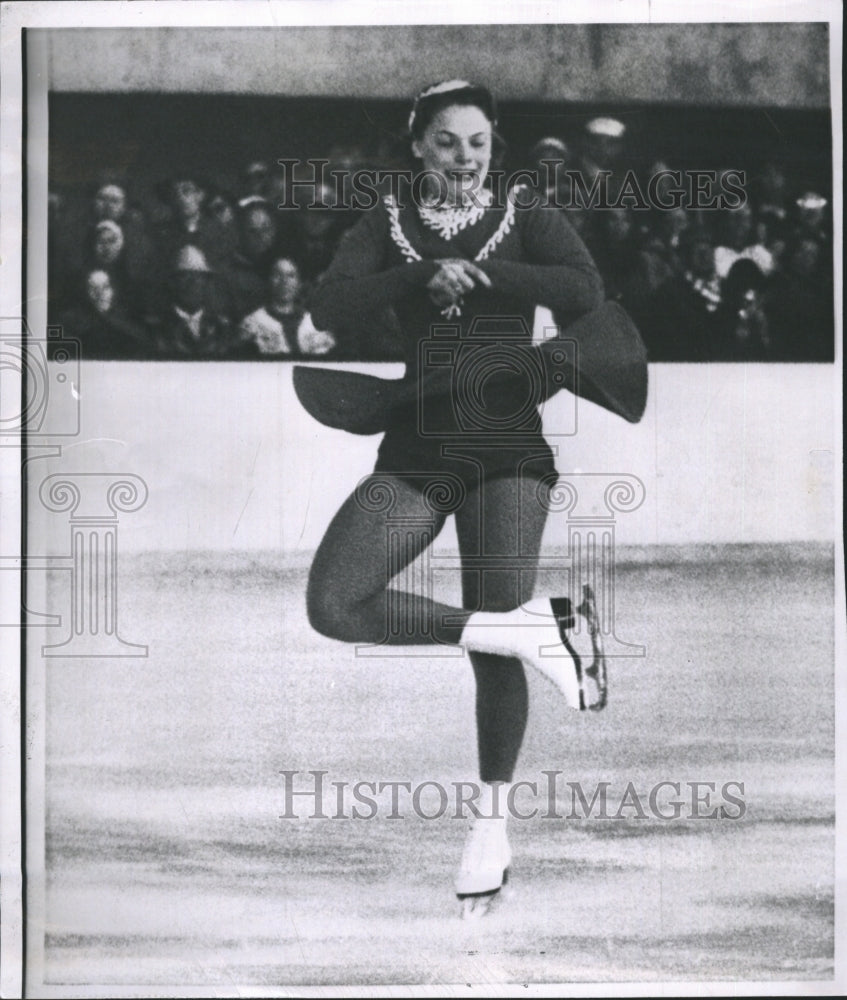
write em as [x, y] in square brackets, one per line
[412, 255]
[447, 220]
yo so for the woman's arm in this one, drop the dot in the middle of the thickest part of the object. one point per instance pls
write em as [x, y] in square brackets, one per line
[357, 282]
[560, 272]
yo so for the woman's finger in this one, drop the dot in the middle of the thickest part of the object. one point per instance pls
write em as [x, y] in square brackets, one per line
[459, 276]
[444, 283]
[477, 273]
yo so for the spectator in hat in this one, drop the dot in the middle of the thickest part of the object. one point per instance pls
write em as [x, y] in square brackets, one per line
[282, 325]
[190, 327]
[599, 173]
[810, 217]
[603, 149]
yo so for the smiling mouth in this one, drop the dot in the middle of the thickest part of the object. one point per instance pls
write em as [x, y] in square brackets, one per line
[463, 175]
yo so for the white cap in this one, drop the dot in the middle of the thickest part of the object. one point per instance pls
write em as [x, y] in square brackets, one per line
[191, 259]
[610, 127]
[551, 142]
[811, 200]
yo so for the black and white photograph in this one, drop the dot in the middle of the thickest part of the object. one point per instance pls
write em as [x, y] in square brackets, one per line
[422, 484]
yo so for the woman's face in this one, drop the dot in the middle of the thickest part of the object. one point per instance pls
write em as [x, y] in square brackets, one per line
[284, 281]
[222, 210]
[99, 290]
[110, 203]
[258, 232]
[188, 198]
[456, 147]
[107, 246]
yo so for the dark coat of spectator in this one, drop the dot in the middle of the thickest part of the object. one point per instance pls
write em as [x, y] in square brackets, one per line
[102, 326]
[189, 327]
[742, 328]
[801, 307]
[678, 321]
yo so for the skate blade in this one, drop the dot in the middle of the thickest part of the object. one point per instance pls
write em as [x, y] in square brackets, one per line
[478, 906]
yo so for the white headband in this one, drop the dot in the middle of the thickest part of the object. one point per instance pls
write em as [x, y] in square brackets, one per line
[437, 88]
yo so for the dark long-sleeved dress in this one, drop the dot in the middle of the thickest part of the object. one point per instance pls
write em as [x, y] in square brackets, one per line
[533, 256]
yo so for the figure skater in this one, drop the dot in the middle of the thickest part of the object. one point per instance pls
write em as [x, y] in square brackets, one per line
[464, 270]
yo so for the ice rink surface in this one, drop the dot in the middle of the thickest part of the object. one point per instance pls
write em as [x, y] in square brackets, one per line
[168, 861]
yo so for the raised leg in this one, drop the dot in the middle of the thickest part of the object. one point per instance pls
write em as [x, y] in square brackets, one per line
[349, 597]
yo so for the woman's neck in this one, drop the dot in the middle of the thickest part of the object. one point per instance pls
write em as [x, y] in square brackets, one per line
[284, 308]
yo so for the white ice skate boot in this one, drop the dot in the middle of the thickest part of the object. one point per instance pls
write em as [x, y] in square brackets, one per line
[560, 641]
[484, 870]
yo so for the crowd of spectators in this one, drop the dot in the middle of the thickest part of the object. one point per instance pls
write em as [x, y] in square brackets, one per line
[751, 282]
[191, 270]
[204, 274]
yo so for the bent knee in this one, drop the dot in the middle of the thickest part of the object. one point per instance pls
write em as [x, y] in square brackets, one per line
[325, 613]
[331, 612]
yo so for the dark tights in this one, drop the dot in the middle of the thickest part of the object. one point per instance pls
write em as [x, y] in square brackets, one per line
[379, 531]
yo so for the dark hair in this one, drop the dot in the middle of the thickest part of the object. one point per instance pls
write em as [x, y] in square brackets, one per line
[433, 99]
[743, 275]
